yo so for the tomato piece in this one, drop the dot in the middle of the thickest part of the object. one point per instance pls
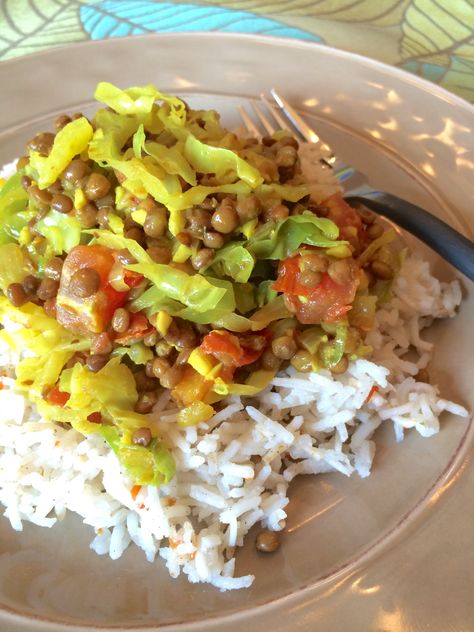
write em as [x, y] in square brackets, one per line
[223, 343]
[91, 314]
[132, 279]
[345, 217]
[57, 397]
[138, 329]
[288, 277]
[329, 301]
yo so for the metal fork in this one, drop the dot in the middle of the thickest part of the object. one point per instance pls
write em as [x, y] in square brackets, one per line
[447, 242]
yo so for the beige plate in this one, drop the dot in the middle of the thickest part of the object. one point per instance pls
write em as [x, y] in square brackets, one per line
[392, 552]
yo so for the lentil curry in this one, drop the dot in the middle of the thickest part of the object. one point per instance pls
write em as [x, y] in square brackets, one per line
[149, 249]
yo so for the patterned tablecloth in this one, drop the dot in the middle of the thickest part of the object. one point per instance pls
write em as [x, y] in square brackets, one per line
[431, 38]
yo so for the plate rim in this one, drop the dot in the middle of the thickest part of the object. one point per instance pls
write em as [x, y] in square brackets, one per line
[465, 442]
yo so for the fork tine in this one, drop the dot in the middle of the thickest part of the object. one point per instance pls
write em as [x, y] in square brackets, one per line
[282, 122]
[249, 124]
[303, 128]
[263, 119]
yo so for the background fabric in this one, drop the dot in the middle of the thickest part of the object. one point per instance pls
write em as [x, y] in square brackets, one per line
[431, 38]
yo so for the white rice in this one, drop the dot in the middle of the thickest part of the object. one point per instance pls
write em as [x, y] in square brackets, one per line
[233, 471]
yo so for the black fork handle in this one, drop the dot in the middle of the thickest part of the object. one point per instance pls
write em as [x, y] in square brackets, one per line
[457, 249]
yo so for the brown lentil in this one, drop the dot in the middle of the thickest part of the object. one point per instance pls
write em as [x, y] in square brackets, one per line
[61, 203]
[159, 366]
[42, 143]
[341, 366]
[225, 218]
[87, 215]
[267, 541]
[276, 213]
[22, 162]
[202, 258]
[136, 234]
[97, 186]
[120, 320]
[269, 361]
[151, 339]
[40, 197]
[381, 270]
[284, 347]
[145, 402]
[159, 254]
[30, 284]
[101, 344]
[142, 436]
[84, 282]
[97, 361]
[374, 231]
[340, 271]
[199, 220]
[248, 207]
[25, 182]
[156, 222]
[61, 121]
[163, 349]
[213, 240]
[314, 262]
[47, 289]
[76, 170]
[125, 257]
[184, 238]
[308, 278]
[16, 294]
[144, 382]
[102, 216]
[286, 156]
[171, 377]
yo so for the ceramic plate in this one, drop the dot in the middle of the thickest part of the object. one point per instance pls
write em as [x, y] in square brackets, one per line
[391, 552]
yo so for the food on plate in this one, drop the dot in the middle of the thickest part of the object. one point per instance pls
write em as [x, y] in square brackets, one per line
[191, 319]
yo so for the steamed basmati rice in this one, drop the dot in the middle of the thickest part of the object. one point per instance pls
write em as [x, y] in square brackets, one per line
[233, 471]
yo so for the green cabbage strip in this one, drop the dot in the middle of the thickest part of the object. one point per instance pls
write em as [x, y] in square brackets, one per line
[208, 159]
[331, 353]
[70, 141]
[153, 465]
[137, 352]
[14, 265]
[13, 209]
[171, 159]
[140, 100]
[233, 260]
[197, 293]
[288, 192]
[273, 311]
[265, 293]
[62, 232]
[387, 237]
[50, 345]
[278, 240]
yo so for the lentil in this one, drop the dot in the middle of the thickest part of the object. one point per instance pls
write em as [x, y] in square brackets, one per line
[225, 219]
[97, 361]
[16, 294]
[341, 366]
[151, 339]
[97, 186]
[156, 222]
[47, 289]
[213, 240]
[202, 258]
[42, 143]
[269, 361]
[145, 403]
[302, 361]
[120, 320]
[25, 182]
[160, 254]
[61, 121]
[84, 282]
[381, 270]
[76, 170]
[159, 366]
[248, 207]
[171, 377]
[284, 347]
[308, 278]
[267, 541]
[340, 271]
[40, 197]
[142, 436]
[101, 344]
[374, 231]
[30, 284]
[61, 203]
[314, 262]
[276, 213]
[87, 215]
